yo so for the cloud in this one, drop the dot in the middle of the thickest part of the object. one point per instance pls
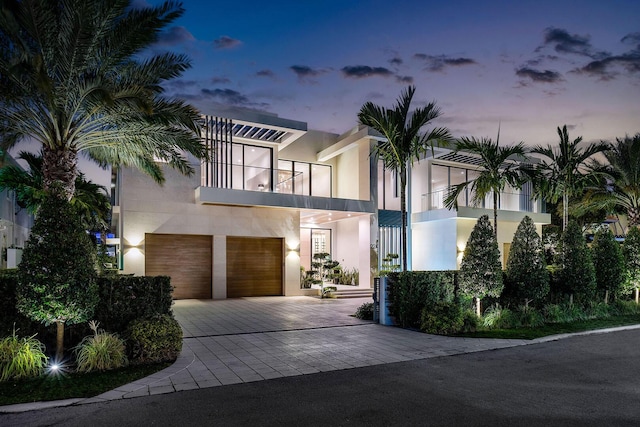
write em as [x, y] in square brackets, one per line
[395, 61]
[404, 79]
[606, 69]
[440, 62]
[306, 73]
[563, 42]
[220, 80]
[227, 96]
[265, 73]
[546, 76]
[226, 42]
[633, 38]
[363, 71]
[174, 36]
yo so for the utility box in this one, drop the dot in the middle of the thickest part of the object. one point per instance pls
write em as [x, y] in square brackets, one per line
[383, 297]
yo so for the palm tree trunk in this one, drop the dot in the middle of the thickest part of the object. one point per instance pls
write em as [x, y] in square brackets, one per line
[495, 214]
[59, 341]
[565, 210]
[403, 213]
[59, 170]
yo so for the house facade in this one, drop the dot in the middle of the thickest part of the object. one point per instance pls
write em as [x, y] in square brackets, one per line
[272, 195]
[15, 224]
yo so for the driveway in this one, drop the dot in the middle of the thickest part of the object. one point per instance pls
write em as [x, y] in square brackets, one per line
[254, 339]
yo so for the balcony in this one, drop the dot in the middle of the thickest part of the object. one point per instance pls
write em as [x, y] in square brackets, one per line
[507, 201]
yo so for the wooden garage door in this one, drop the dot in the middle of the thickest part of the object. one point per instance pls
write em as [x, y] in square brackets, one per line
[186, 258]
[254, 266]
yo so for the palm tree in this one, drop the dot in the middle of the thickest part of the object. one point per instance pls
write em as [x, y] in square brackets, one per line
[495, 174]
[565, 172]
[619, 190]
[77, 77]
[90, 199]
[403, 142]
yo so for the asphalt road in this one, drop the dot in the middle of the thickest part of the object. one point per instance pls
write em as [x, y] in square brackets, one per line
[579, 381]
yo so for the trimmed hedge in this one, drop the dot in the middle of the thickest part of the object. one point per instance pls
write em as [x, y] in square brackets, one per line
[155, 340]
[9, 314]
[124, 299]
[412, 291]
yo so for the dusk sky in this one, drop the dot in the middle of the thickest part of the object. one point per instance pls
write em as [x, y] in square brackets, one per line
[528, 66]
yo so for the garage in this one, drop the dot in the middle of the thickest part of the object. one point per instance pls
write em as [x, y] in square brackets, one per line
[254, 266]
[187, 259]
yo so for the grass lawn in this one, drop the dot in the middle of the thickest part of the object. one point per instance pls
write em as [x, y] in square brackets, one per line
[556, 328]
[67, 386]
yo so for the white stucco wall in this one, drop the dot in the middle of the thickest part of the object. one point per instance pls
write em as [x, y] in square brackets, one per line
[171, 209]
[434, 245]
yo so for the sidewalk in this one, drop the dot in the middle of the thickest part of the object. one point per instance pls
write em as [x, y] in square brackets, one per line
[256, 339]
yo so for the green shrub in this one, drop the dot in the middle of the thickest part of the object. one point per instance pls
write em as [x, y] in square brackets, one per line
[101, 352]
[411, 291]
[155, 340]
[609, 264]
[442, 318]
[527, 316]
[470, 321]
[481, 269]
[553, 313]
[10, 317]
[496, 317]
[600, 311]
[57, 277]
[124, 299]
[365, 311]
[631, 253]
[21, 357]
[526, 276]
[626, 307]
[577, 275]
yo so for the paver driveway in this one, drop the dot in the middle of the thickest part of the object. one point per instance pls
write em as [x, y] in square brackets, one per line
[253, 339]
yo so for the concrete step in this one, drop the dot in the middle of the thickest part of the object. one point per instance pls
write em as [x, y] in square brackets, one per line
[352, 293]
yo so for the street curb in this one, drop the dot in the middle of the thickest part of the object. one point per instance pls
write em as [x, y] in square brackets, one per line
[34, 406]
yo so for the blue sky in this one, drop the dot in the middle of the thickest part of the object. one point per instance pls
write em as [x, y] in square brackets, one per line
[528, 66]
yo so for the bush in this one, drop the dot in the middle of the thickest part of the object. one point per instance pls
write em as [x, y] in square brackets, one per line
[481, 269]
[563, 313]
[10, 317]
[577, 275]
[101, 352]
[496, 317]
[526, 276]
[21, 357]
[527, 316]
[470, 321]
[155, 340]
[626, 307]
[365, 311]
[609, 264]
[443, 318]
[57, 277]
[411, 291]
[124, 299]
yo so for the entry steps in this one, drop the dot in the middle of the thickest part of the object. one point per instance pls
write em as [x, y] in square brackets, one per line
[352, 293]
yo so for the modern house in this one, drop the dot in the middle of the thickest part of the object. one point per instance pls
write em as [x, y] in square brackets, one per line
[15, 224]
[274, 193]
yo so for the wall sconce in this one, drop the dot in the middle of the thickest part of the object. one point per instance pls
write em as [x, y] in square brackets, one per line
[460, 249]
[293, 248]
[260, 187]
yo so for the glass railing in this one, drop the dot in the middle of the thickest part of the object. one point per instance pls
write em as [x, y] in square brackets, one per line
[252, 178]
[508, 201]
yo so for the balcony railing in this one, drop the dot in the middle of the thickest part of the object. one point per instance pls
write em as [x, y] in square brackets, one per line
[509, 201]
[252, 178]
